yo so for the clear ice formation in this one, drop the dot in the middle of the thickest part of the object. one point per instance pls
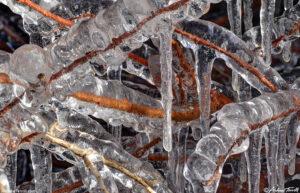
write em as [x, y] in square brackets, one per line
[266, 17]
[235, 122]
[54, 89]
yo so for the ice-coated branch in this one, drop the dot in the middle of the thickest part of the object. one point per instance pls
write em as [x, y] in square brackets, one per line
[229, 135]
[244, 62]
[99, 151]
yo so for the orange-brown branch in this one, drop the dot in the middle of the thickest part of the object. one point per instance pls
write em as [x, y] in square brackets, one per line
[240, 62]
[89, 15]
[245, 134]
[277, 40]
[158, 157]
[183, 62]
[141, 151]
[69, 188]
[138, 59]
[46, 13]
[4, 79]
[117, 41]
[141, 110]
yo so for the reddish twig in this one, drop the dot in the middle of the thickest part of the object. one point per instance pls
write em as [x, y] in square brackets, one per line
[70, 187]
[117, 41]
[277, 40]
[144, 110]
[89, 15]
[158, 158]
[240, 62]
[245, 134]
[141, 151]
[138, 59]
[46, 13]
[183, 62]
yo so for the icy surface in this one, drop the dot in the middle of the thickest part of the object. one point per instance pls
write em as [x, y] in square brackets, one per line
[127, 98]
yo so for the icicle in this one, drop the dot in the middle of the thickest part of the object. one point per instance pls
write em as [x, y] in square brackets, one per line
[293, 136]
[248, 15]
[282, 152]
[286, 52]
[271, 143]
[11, 170]
[116, 131]
[181, 153]
[42, 168]
[243, 168]
[237, 184]
[4, 184]
[266, 21]
[234, 10]
[253, 160]
[172, 163]
[165, 34]
[204, 59]
[288, 4]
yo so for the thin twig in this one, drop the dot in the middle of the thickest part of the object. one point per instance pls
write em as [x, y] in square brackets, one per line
[84, 153]
[46, 13]
[240, 62]
[140, 110]
[140, 151]
[70, 187]
[245, 134]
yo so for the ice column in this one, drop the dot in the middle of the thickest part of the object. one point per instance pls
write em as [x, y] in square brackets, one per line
[292, 137]
[271, 143]
[181, 151]
[11, 170]
[4, 184]
[253, 160]
[234, 9]
[282, 152]
[165, 34]
[204, 59]
[288, 4]
[266, 21]
[248, 15]
[42, 168]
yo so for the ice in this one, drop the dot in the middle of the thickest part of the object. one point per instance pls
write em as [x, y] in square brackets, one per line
[181, 150]
[67, 177]
[108, 153]
[11, 170]
[4, 182]
[286, 52]
[204, 62]
[292, 139]
[243, 168]
[198, 8]
[42, 169]
[281, 157]
[266, 18]
[271, 140]
[116, 131]
[248, 14]
[280, 26]
[288, 4]
[234, 9]
[230, 135]
[60, 94]
[253, 160]
[236, 46]
[165, 34]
